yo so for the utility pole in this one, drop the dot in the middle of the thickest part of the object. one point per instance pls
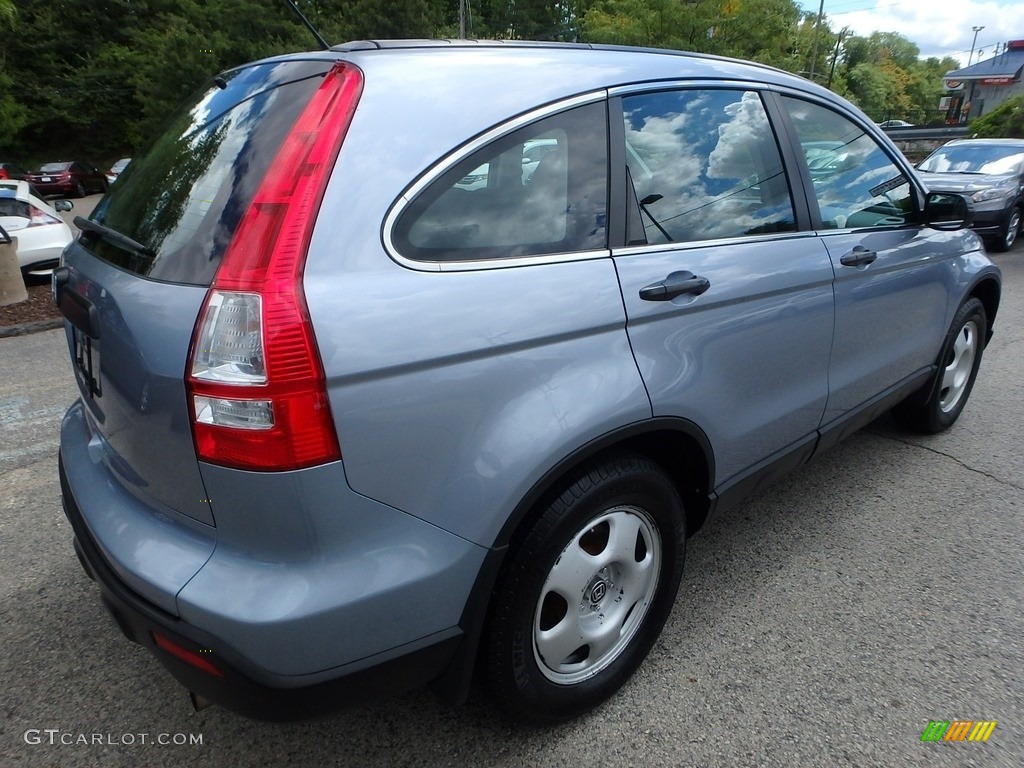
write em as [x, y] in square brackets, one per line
[835, 56]
[817, 34]
[462, 19]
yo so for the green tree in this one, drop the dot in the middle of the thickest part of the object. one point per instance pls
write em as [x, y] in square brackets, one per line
[762, 30]
[1005, 121]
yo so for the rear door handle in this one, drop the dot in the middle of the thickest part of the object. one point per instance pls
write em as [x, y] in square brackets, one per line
[676, 284]
[858, 257]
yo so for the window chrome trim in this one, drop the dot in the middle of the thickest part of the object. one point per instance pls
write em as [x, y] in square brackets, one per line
[443, 165]
[690, 84]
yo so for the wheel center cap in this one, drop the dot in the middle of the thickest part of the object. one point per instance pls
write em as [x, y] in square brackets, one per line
[598, 591]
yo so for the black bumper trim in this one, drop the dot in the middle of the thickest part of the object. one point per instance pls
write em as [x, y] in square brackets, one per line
[244, 688]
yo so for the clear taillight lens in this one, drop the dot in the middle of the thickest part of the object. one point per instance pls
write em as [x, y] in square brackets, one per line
[229, 345]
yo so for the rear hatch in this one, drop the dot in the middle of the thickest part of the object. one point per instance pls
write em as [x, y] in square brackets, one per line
[137, 277]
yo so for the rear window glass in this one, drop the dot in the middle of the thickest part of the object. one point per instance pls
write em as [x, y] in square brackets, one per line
[54, 167]
[10, 206]
[541, 189]
[185, 194]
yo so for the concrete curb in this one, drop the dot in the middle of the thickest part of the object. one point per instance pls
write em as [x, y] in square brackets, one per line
[26, 328]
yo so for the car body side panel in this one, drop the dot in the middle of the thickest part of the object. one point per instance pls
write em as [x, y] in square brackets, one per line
[299, 549]
[453, 392]
[748, 359]
[891, 315]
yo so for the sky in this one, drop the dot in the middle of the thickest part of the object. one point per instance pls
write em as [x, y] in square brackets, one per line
[938, 27]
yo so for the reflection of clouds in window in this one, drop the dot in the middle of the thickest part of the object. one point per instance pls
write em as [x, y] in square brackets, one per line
[661, 140]
[713, 162]
[848, 189]
[200, 114]
[731, 157]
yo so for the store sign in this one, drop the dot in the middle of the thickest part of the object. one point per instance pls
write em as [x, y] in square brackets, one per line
[954, 85]
[997, 81]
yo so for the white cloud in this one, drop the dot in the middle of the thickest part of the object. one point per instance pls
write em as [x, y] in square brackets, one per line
[942, 28]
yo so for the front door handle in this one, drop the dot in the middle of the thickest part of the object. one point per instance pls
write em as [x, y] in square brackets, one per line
[676, 284]
[858, 257]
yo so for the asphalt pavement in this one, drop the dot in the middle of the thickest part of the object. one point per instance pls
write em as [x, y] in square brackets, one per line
[824, 622]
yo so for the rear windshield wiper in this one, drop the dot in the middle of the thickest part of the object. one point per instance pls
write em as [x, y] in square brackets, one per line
[114, 237]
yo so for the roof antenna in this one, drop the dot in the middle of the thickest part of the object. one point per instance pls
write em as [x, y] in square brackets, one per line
[305, 21]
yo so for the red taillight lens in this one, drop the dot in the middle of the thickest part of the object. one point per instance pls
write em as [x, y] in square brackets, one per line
[38, 218]
[189, 657]
[256, 386]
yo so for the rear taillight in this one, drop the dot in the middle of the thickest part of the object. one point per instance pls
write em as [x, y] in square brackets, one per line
[256, 387]
[38, 218]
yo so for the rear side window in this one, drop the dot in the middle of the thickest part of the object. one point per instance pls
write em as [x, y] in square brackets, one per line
[541, 189]
[704, 165]
[10, 206]
[184, 196]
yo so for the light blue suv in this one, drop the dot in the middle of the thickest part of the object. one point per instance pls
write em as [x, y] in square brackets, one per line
[402, 362]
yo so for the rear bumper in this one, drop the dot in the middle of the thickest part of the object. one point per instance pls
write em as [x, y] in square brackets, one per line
[238, 684]
[55, 187]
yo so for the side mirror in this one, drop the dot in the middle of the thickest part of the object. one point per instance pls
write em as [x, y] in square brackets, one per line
[948, 211]
[63, 206]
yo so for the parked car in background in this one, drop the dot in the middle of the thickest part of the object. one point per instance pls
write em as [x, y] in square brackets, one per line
[117, 168]
[41, 232]
[895, 124]
[68, 178]
[389, 378]
[11, 171]
[991, 173]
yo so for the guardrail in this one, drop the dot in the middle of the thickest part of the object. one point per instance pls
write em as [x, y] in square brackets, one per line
[939, 133]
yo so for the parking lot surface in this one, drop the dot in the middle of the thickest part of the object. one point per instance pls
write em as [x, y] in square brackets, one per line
[824, 622]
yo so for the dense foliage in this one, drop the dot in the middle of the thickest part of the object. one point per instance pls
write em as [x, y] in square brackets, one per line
[1005, 121]
[94, 79]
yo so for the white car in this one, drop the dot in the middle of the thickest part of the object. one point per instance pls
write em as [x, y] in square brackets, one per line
[41, 232]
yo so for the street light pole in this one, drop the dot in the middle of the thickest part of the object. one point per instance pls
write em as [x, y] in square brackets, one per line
[975, 40]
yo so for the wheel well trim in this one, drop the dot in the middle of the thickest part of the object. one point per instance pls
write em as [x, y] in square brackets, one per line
[604, 443]
[987, 288]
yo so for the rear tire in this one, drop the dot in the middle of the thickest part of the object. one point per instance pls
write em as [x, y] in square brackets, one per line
[80, 190]
[586, 592]
[937, 406]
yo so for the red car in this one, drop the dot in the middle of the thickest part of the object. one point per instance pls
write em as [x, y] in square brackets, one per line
[69, 179]
[11, 171]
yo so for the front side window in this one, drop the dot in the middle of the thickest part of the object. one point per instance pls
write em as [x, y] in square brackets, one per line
[855, 181]
[541, 189]
[704, 165]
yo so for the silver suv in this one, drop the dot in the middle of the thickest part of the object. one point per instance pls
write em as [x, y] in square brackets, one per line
[403, 361]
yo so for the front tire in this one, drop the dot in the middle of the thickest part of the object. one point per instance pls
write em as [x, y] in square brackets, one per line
[936, 408]
[1011, 229]
[586, 592]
